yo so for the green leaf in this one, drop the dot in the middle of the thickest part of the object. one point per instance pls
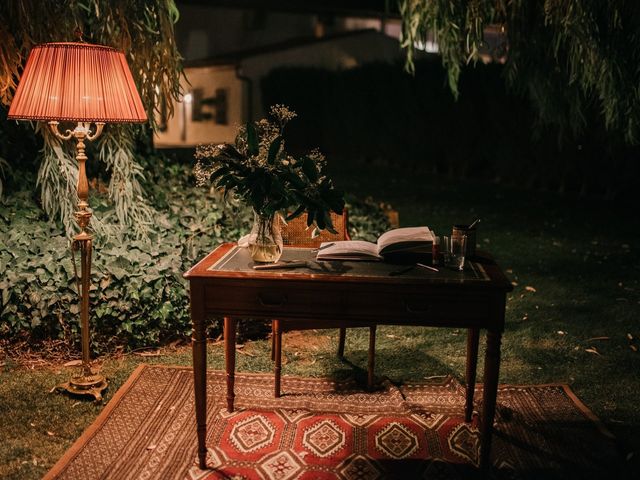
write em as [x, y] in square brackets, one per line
[309, 168]
[274, 148]
[335, 200]
[320, 220]
[310, 215]
[329, 223]
[295, 179]
[252, 139]
[6, 294]
[296, 213]
[231, 152]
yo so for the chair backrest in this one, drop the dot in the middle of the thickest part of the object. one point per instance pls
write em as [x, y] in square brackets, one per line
[295, 232]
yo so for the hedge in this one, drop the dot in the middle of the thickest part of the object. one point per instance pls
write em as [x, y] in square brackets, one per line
[138, 295]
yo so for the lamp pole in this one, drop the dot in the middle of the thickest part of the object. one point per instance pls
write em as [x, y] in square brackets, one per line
[88, 382]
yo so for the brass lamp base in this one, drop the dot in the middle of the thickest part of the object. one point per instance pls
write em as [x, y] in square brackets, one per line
[92, 384]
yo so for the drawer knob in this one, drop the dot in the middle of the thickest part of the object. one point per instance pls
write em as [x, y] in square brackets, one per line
[417, 307]
[272, 302]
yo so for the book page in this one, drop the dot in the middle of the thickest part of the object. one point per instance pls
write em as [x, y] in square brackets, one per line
[348, 250]
[406, 235]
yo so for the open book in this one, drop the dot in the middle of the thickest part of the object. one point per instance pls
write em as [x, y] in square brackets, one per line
[396, 242]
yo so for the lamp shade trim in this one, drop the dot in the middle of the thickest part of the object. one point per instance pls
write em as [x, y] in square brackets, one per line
[77, 82]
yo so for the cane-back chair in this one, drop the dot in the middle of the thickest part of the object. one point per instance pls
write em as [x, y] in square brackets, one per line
[296, 234]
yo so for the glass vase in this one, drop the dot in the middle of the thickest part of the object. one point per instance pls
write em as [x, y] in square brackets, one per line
[265, 240]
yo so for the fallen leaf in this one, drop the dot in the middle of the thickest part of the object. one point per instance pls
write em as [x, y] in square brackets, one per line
[515, 284]
[629, 336]
[32, 424]
[151, 447]
[597, 338]
[75, 404]
[73, 363]
[592, 350]
[560, 332]
[390, 335]
[249, 354]
[526, 316]
[633, 347]
[155, 353]
[529, 288]
[51, 434]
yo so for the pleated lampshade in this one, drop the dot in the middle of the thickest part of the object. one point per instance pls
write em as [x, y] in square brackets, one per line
[77, 82]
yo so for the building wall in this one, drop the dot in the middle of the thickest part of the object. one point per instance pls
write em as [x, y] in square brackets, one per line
[336, 54]
[183, 131]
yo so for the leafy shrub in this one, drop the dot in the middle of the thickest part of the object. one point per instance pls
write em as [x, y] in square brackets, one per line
[138, 296]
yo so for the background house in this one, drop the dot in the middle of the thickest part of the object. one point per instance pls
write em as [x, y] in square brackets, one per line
[229, 51]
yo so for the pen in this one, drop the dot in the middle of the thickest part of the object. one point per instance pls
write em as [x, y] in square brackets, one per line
[275, 266]
[428, 267]
[324, 246]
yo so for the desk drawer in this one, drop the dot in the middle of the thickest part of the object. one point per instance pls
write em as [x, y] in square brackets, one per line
[360, 305]
[433, 308]
[272, 302]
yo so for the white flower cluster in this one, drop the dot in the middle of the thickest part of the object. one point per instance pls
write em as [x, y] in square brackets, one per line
[317, 156]
[260, 172]
[282, 113]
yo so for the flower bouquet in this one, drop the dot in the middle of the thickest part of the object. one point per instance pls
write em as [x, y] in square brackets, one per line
[258, 169]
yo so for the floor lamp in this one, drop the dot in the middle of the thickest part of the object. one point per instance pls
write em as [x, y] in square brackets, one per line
[84, 84]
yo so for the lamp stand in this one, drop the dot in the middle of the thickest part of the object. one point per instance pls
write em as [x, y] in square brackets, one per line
[86, 382]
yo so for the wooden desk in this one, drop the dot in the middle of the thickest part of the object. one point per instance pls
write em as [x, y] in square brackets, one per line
[341, 293]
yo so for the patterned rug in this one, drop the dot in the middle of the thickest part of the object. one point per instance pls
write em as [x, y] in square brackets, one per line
[322, 429]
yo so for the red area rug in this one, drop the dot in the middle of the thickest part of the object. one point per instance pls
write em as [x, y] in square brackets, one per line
[322, 429]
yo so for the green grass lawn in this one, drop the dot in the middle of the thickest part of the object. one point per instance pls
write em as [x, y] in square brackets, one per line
[575, 264]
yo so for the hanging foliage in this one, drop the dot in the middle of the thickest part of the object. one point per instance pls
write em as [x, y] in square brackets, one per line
[575, 59]
[144, 30]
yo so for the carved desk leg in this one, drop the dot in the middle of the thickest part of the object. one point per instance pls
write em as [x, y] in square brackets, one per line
[372, 357]
[277, 328]
[341, 340]
[490, 393]
[230, 358]
[199, 350]
[473, 336]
